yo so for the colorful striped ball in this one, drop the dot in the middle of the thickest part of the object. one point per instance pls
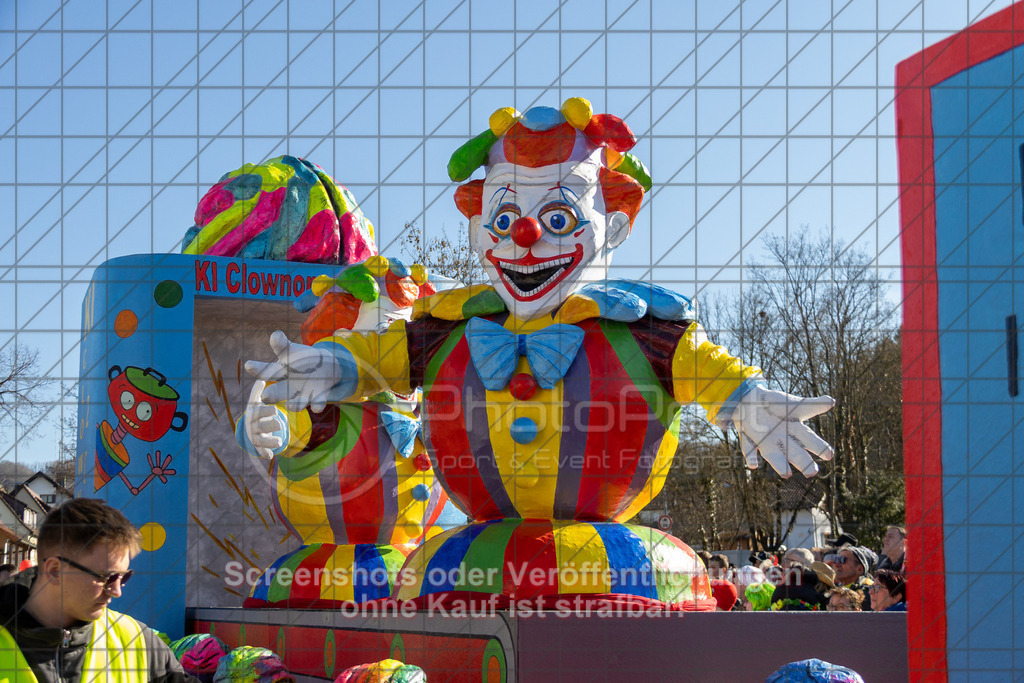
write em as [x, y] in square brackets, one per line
[348, 483]
[199, 654]
[285, 209]
[384, 671]
[248, 664]
[526, 559]
[324, 575]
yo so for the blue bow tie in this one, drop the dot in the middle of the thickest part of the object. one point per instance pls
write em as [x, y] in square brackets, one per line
[495, 352]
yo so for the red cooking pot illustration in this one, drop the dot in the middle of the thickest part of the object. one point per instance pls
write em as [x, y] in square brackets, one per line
[145, 407]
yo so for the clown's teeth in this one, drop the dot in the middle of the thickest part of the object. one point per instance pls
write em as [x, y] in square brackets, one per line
[526, 270]
[547, 282]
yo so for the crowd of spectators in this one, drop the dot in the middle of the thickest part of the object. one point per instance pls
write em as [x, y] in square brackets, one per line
[844, 577]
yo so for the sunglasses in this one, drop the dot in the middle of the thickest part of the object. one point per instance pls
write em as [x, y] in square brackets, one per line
[108, 580]
[843, 559]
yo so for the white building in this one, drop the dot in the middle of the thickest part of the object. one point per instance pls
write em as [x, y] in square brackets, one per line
[48, 490]
[20, 523]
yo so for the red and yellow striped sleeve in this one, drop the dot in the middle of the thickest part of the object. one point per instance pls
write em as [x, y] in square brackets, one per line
[377, 361]
[708, 374]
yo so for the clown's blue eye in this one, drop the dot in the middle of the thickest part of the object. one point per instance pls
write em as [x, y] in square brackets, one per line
[504, 217]
[558, 218]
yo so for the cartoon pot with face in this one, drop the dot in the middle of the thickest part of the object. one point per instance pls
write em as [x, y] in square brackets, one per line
[552, 398]
[145, 406]
[352, 481]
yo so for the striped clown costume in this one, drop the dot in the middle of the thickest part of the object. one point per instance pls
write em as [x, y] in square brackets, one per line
[553, 393]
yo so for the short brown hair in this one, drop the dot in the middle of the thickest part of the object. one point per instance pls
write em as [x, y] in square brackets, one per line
[80, 523]
[852, 596]
[892, 582]
[900, 529]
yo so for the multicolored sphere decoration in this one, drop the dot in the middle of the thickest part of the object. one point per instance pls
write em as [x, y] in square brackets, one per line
[247, 664]
[284, 209]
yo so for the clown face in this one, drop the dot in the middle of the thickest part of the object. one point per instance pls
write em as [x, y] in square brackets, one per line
[544, 233]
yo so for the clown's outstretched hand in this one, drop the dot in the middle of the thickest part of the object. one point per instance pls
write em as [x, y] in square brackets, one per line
[302, 375]
[265, 426]
[772, 423]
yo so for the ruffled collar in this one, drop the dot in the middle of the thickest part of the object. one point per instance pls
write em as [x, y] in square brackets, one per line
[620, 300]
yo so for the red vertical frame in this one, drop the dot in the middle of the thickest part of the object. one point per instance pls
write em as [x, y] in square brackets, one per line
[922, 386]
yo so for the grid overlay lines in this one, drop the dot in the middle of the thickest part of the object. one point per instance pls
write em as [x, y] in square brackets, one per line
[677, 97]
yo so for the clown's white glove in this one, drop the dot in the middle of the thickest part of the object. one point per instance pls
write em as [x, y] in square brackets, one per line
[772, 423]
[303, 375]
[263, 424]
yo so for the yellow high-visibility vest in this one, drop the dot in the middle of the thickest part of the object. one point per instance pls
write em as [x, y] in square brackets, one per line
[116, 653]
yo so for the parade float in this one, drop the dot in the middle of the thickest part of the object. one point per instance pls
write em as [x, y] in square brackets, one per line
[295, 509]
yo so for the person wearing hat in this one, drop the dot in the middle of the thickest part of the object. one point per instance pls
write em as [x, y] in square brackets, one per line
[853, 567]
[725, 594]
[826, 576]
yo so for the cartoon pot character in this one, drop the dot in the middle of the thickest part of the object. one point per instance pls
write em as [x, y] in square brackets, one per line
[146, 408]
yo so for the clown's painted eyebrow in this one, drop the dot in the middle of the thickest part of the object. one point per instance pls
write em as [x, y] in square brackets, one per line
[568, 196]
[507, 188]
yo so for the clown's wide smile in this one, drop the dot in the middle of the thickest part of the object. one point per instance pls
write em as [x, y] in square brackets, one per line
[529, 278]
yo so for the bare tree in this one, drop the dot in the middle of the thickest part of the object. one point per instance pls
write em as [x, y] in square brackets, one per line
[20, 388]
[442, 255]
[62, 470]
[814, 317]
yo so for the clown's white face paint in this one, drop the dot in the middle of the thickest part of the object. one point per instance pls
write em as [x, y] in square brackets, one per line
[574, 244]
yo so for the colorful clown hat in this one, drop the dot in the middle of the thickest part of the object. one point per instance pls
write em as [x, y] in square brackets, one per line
[543, 136]
[285, 209]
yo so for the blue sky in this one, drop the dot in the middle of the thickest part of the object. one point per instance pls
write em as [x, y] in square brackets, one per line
[755, 117]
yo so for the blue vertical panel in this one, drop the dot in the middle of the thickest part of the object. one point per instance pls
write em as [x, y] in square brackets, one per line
[978, 237]
[138, 320]
[137, 339]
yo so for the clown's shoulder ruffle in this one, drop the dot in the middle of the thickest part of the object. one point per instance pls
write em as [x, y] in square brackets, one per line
[620, 300]
[462, 303]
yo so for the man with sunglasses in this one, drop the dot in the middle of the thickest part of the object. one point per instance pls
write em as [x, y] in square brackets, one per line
[853, 567]
[55, 623]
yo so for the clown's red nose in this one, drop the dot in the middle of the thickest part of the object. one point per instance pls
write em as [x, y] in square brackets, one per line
[526, 231]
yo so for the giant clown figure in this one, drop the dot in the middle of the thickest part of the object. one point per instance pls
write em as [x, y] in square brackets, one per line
[551, 397]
